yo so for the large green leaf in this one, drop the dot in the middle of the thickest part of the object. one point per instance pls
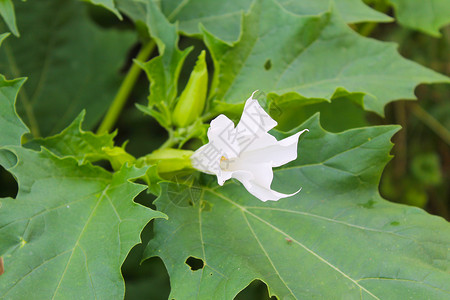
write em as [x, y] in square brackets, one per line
[71, 225]
[72, 64]
[427, 16]
[336, 239]
[8, 15]
[222, 18]
[310, 57]
[69, 229]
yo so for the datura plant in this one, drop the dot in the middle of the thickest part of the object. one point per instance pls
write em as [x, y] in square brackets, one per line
[171, 185]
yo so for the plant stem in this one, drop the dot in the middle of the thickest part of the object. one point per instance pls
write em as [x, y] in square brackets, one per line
[401, 162]
[367, 28]
[431, 122]
[125, 89]
[170, 141]
[29, 112]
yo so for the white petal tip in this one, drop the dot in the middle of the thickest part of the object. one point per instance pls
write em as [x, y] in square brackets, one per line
[275, 196]
[254, 94]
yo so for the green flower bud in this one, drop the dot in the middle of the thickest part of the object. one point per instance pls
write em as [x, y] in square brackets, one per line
[192, 100]
[168, 160]
[118, 157]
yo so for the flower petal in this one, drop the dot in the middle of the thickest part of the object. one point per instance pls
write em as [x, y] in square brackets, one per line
[257, 180]
[268, 149]
[254, 120]
[197, 159]
[223, 176]
[207, 158]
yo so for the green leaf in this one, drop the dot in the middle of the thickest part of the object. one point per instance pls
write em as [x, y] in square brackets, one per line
[75, 142]
[109, 5]
[84, 146]
[339, 115]
[72, 64]
[69, 229]
[163, 71]
[8, 15]
[11, 126]
[315, 57]
[223, 18]
[427, 16]
[337, 238]
[134, 9]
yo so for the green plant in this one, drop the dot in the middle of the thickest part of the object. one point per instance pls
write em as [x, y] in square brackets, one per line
[81, 204]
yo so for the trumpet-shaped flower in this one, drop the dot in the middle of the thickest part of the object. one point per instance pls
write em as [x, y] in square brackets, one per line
[246, 152]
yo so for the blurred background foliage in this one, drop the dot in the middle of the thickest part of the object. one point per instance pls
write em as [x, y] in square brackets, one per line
[419, 173]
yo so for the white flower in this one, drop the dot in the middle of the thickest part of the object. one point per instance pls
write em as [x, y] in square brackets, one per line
[246, 152]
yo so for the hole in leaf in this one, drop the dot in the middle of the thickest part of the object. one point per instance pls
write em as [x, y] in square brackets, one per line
[268, 65]
[8, 185]
[255, 290]
[194, 263]
[191, 203]
[140, 276]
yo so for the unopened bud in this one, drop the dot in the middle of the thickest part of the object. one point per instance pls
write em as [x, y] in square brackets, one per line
[192, 100]
[168, 160]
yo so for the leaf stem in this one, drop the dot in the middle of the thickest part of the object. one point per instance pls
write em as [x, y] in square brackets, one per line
[431, 122]
[125, 89]
[367, 28]
[170, 141]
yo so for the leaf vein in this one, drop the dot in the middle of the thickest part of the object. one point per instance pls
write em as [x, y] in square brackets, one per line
[266, 254]
[34, 269]
[79, 237]
[320, 258]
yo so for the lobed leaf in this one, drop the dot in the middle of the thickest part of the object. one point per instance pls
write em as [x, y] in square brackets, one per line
[71, 63]
[71, 225]
[315, 57]
[163, 71]
[222, 18]
[75, 142]
[336, 237]
[69, 229]
[427, 16]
